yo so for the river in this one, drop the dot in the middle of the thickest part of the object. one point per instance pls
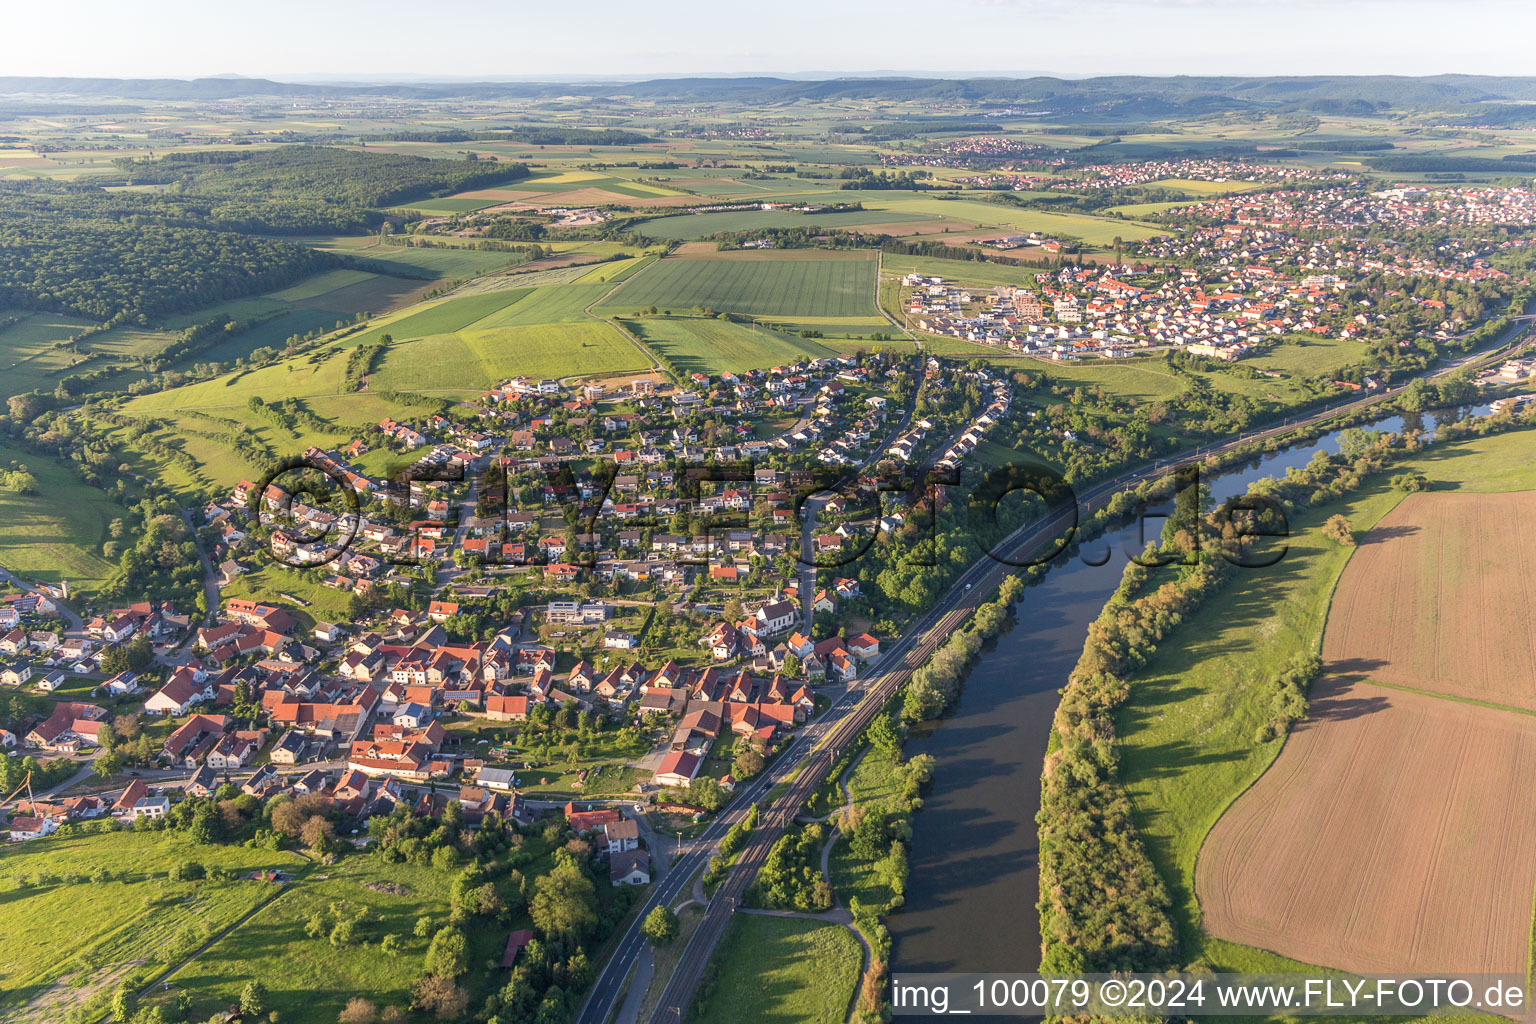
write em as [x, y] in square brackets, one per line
[974, 857]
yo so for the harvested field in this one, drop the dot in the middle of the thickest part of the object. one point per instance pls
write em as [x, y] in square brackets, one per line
[1437, 598]
[1393, 833]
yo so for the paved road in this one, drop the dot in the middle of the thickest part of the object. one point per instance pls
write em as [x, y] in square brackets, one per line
[210, 573]
[76, 625]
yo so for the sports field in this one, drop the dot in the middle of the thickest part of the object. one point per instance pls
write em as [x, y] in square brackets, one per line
[712, 346]
[757, 287]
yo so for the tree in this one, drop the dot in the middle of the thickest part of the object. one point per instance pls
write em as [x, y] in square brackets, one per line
[122, 1004]
[317, 833]
[253, 999]
[564, 902]
[358, 1011]
[747, 764]
[884, 737]
[441, 996]
[1338, 530]
[448, 955]
[106, 765]
[659, 926]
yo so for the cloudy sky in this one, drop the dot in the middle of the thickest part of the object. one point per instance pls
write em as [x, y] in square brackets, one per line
[595, 38]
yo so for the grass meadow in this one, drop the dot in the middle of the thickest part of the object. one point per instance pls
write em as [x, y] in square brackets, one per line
[473, 360]
[777, 970]
[135, 924]
[708, 345]
[56, 533]
[690, 226]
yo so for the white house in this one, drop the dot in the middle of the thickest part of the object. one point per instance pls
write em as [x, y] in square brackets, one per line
[632, 868]
[179, 694]
[622, 836]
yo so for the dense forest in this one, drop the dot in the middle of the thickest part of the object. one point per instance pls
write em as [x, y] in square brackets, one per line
[81, 249]
[318, 174]
[102, 268]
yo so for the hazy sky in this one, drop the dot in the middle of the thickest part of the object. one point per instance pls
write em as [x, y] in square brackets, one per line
[292, 39]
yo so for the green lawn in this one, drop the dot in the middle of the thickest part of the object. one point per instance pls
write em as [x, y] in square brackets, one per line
[1188, 731]
[712, 346]
[782, 970]
[271, 582]
[56, 533]
[101, 933]
[875, 783]
[757, 287]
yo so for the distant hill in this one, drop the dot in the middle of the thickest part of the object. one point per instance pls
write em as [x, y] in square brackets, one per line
[1120, 95]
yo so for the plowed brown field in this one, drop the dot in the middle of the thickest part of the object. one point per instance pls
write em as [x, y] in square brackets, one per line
[1395, 831]
[1439, 598]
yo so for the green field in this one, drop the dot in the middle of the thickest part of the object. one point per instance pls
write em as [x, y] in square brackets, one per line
[1311, 356]
[1187, 732]
[712, 346]
[1097, 231]
[320, 284]
[138, 924]
[310, 980]
[778, 970]
[757, 287]
[689, 226]
[967, 272]
[443, 316]
[559, 304]
[56, 533]
[875, 783]
[473, 360]
[446, 207]
[408, 261]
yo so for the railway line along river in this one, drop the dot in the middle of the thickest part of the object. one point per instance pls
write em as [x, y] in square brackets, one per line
[970, 905]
